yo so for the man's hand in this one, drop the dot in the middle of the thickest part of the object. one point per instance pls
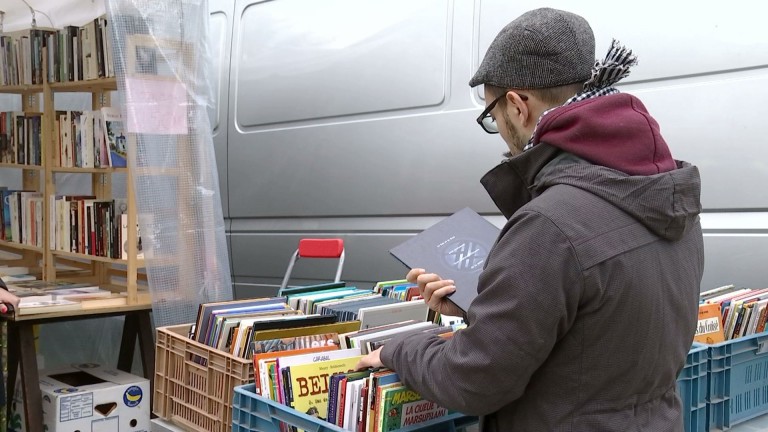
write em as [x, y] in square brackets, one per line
[435, 290]
[371, 360]
[7, 297]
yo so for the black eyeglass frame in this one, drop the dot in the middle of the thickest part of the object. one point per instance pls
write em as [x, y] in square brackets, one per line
[487, 111]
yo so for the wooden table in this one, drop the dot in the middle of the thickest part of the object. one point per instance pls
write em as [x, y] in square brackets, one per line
[21, 351]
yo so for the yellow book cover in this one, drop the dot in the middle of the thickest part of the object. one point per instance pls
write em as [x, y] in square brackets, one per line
[309, 384]
[709, 328]
[341, 327]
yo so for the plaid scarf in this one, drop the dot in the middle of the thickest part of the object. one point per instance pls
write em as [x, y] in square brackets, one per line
[613, 68]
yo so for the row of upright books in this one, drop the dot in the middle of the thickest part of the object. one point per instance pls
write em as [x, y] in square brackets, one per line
[78, 223]
[22, 213]
[730, 312]
[74, 53]
[90, 139]
[230, 327]
[20, 138]
[84, 139]
[305, 349]
[86, 225]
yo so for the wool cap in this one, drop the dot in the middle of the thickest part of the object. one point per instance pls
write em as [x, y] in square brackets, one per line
[540, 49]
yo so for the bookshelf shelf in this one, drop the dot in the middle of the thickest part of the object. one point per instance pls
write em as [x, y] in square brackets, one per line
[78, 170]
[139, 262]
[89, 86]
[20, 246]
[22, 89]
[21, 166]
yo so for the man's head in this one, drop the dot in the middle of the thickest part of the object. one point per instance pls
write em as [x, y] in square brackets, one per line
[536, 62]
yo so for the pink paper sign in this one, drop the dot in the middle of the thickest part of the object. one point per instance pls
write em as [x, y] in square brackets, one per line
[156, 106]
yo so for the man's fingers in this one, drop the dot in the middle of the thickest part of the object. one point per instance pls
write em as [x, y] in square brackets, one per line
[413, 274]
[439, 295]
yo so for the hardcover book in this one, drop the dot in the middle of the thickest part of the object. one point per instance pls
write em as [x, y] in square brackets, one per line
[709, 328]
[402, 408]
[309, 384]
[455, 248]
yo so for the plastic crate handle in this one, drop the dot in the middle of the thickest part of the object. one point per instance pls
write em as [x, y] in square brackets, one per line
[762, 345]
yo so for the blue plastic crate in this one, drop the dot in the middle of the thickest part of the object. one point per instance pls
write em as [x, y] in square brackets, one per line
[738, 381]
[692, 385]
[251, 412]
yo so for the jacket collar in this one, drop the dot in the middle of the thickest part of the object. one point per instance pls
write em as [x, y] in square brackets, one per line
[510, 183]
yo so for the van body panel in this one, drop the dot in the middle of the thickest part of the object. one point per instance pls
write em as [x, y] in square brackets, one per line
[353, 119]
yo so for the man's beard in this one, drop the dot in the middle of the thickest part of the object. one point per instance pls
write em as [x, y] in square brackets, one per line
[519, 141]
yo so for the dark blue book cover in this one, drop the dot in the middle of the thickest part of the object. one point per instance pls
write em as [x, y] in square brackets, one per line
[455, 248]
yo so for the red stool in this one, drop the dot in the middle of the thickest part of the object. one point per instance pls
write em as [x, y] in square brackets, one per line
[316, 248]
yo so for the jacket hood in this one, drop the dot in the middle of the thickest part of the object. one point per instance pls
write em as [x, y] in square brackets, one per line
[614, 131]
[668, 203]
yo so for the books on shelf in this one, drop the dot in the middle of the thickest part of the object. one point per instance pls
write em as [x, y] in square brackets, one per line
[20, 138]
[90, 139]
[86, 225]
[73, 53]
[22, 217]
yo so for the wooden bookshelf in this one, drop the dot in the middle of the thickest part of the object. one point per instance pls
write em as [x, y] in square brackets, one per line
[98, 269]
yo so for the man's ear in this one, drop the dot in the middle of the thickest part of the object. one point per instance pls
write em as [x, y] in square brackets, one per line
[517, 107]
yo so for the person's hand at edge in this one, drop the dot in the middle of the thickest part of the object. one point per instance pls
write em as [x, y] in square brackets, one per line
[435, 291]
[7, 297]
[371, 360]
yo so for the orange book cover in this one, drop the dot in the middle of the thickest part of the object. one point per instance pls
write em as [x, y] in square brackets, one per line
[709, 328]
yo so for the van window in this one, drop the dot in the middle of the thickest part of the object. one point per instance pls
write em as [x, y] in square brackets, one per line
[298, 61]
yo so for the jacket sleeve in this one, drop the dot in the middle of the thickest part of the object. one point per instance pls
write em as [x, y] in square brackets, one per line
[528, 296]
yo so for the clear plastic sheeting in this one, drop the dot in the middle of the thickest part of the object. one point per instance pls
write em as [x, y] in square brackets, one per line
[163, 74]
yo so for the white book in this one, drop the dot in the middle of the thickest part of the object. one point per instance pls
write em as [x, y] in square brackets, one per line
[352, 404]
[359, 341]
[757, 309]
[86, 145]
[374, 316]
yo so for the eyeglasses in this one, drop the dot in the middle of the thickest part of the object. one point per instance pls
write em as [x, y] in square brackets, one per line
[486, 120]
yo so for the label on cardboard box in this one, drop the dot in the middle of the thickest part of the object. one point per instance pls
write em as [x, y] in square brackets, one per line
[89, 398]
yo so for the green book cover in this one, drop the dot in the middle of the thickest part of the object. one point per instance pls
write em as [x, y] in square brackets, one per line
[402, 407]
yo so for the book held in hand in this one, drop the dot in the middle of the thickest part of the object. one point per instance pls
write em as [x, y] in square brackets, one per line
[455, 248]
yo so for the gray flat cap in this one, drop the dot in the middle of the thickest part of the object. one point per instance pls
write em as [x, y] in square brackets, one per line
[540, 49]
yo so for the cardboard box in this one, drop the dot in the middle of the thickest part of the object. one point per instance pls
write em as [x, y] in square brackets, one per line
[90, 398]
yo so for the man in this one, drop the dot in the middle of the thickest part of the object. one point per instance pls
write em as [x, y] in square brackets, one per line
[587, 305]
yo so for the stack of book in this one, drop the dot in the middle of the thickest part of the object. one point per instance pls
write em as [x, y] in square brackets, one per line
[313, 371]
[729, 312]
[57, 296]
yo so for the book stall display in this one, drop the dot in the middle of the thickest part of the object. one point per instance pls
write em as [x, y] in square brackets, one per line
[731, 327]
[89, 238]
[72, 256]
[298, 352]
